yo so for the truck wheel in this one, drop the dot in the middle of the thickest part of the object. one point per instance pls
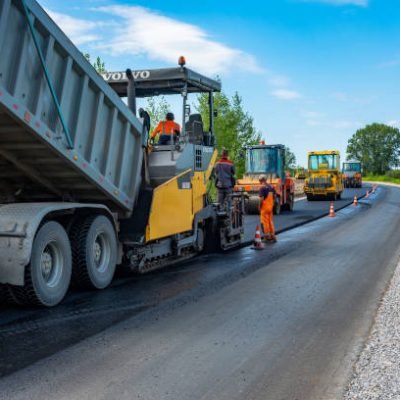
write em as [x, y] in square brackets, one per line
[5, 295]
[48, 275]
[277, 205]
[94, 252]
[252, 205]
[290, 204]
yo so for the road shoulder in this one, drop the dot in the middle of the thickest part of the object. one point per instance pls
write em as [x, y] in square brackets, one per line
[377, 371]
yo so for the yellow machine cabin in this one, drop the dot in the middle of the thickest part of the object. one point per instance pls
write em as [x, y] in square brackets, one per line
[324, 180]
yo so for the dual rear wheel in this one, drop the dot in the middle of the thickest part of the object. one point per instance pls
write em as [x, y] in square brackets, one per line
[88, 256]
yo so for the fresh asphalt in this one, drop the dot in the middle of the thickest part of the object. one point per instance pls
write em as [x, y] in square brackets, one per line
[281, 323]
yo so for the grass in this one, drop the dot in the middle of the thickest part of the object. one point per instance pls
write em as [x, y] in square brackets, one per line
[381, 178]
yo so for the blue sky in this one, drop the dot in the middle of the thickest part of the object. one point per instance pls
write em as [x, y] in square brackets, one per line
[311, 72]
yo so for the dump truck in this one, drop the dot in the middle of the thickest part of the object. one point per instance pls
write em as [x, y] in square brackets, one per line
[324, 179]
[352, 174]
[81, 189]
[267, 160]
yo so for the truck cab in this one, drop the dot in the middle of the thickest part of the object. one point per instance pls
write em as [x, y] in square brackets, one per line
[325, 180]
[267, 160]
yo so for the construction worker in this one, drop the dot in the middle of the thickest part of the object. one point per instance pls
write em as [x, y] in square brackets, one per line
[266, 208]
[225, 177]
[168, 130]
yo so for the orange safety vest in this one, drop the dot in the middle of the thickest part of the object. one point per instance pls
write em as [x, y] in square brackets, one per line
[166, 128]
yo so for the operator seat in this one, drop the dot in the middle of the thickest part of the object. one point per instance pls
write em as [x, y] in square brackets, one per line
[194, 129]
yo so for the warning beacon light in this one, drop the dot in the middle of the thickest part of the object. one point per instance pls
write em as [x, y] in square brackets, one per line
[182, 61]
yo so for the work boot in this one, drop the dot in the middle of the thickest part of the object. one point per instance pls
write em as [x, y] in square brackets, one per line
[266, 238]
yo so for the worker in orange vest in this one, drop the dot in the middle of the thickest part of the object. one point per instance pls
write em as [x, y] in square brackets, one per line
[168, 130]
[266, 208]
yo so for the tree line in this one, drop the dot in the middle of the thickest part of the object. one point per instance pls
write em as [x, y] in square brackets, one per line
[377, 147]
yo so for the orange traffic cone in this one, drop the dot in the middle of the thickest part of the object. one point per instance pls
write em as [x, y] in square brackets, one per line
[332, 211]
[258, 244]
[355, 201]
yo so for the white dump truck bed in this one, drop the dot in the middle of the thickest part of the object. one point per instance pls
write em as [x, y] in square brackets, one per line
[96, 156]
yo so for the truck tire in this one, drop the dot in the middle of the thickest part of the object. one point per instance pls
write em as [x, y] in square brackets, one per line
[48, 275]
[277, 205]
[290, 203]
[5, 295]
[94, 252]
[252, 205]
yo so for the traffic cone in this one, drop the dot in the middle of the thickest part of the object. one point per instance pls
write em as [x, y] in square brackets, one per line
[258, 244]
[355, 201]
[332, 211]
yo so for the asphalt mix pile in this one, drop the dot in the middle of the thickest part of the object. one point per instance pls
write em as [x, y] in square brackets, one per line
[377, 372]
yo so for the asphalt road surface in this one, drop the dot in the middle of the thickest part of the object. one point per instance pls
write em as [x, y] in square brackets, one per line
[283, 323]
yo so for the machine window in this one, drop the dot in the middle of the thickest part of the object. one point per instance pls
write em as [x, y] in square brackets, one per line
[323, 161]
[261, 161]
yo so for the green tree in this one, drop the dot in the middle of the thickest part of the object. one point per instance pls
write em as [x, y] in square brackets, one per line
[99, 65]
[290, 160]
[377, 146]
[234, 127]
[157, 107]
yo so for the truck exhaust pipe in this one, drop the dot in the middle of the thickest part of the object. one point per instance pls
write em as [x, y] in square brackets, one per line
[131, 91]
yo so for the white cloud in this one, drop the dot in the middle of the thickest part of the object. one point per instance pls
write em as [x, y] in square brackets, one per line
[285, 94]
[145, 32]
[312, 122]
[346, 124]
[80, 31]
[346, 98]
[278, 80]
[395, 123]
[312, 114]
[359, 3]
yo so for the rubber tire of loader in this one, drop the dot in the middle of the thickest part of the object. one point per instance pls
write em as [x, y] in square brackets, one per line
[94, 252]
[52, 242]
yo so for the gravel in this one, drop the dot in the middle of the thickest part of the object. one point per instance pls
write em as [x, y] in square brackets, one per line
[377, 372]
